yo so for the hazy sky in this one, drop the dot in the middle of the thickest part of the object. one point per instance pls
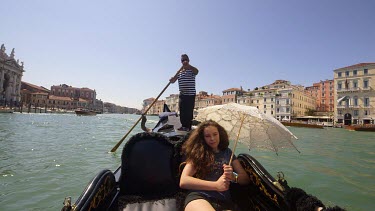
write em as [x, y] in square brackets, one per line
[128, 50]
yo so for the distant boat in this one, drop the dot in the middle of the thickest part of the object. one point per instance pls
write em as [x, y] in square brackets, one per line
[298, 124]
[365, 127]
[85, 112]
[6, 110]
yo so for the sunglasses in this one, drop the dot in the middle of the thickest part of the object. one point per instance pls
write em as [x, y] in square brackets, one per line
[182, 60]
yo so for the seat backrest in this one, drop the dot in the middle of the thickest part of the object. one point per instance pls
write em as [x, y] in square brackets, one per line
[149, 166]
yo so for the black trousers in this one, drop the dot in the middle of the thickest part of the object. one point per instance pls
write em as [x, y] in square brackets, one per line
[186, 104]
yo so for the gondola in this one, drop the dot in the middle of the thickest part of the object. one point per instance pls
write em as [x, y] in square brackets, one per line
[148, 179]
[85, 112]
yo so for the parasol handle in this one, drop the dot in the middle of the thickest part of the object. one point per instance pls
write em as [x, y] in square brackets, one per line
[235, 143]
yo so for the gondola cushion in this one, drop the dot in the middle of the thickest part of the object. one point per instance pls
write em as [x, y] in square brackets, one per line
[149, 166]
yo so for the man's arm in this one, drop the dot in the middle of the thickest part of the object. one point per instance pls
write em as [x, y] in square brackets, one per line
[192, 68]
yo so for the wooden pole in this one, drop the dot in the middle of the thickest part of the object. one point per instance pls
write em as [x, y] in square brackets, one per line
[123, 138]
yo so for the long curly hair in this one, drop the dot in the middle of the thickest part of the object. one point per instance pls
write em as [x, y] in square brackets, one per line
[198, 153]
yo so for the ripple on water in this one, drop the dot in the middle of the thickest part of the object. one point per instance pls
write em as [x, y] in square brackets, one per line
[54, 156]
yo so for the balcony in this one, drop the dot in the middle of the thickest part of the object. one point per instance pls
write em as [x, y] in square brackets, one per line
[366, 89]
[348, 90]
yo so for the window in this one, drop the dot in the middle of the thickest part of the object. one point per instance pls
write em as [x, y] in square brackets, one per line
[271, 106]
[355, 112]
[367, 102]
[346, 73]
[355, 84]
[367, 112]
[365, 84]
[355, 101]
[339, 74]
[265, 106]
[365, 71]
[265, 99]
[339, 86]
[339, 112]
[287, 110]
[354, 72]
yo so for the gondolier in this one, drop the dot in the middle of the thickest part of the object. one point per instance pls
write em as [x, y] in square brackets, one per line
[186, 84]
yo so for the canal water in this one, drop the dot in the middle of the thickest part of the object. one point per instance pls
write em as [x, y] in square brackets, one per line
[46, 157]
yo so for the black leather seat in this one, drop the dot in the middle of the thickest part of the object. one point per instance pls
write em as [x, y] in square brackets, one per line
[149, 170]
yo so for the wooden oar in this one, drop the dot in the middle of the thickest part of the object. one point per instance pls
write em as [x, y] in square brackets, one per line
[123, 138]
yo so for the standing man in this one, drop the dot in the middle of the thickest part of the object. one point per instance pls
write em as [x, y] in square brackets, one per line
[186, 84]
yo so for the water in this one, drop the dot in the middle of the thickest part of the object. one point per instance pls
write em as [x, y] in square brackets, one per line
[46, 157]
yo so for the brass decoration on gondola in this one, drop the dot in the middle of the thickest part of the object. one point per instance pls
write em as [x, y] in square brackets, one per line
[104, 190]
[257, 181]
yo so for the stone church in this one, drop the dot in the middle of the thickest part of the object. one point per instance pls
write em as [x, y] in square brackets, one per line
[11, 72]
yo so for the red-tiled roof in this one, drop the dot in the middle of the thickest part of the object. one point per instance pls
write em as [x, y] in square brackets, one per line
[53, 97]
[39, 93]
[36, 87]
[356, 65]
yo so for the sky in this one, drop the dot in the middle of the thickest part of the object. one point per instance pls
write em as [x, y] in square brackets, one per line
[128, 50]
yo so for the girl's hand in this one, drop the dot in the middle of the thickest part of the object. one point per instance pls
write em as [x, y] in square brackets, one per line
[228, 171]
[222, 184]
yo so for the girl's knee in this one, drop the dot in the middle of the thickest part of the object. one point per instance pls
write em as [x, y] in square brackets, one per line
[199, 204]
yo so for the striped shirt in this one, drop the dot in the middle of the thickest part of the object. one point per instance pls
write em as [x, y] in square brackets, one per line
[186, 82]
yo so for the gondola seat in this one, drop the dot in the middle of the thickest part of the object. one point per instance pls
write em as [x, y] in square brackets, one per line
[149, 177]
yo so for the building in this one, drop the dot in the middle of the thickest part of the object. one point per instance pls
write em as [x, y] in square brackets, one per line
[146, 105]
[203, 100]
[354, 98]
[323, 91]
[30, 94]
[280, 99]
[230, 95]
[11, 72]
[172, 102]
[301, 101]
[64, 90]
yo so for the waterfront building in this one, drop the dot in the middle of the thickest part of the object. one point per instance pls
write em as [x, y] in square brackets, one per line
[66, 103]
[99, 105]
[39, 99]
[110, 108]
[146, 104]
[301, 101]
[172, 102]
[323, 91]
[354, 98]
[231, 95]
[32, 94]
[11, 72]
[280, 99]
[203, 100]
[158, 107]
[64, 90]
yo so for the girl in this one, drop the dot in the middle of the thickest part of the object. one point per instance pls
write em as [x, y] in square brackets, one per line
[206, 173]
